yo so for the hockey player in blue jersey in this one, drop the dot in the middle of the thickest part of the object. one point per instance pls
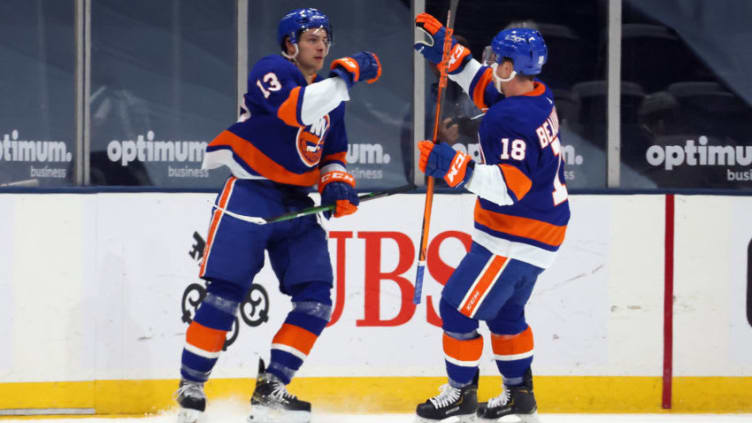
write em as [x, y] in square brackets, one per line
[521, 216]
[290, 137]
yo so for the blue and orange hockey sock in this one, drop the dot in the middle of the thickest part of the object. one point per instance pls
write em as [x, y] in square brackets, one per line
[305, 322]
[206, 334]
[513, 354]
[462, 345]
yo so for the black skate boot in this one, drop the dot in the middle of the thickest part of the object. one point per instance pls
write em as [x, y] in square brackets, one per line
[514, 400]
[192, 401]
[271, 403]
[451, 402]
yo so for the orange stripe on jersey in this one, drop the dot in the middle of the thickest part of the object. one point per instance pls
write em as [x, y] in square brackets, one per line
[516, 180]
[288, 110]
[340, 157]
[262, 164]
[205, 338]
[216, 217]
[538, 89]
[480, 89]
[468, 350]
[295, 337]
[481, 286]
[512, 344]
[523, 227]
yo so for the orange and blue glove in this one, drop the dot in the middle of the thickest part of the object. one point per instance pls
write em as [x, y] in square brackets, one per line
[338, 188]
[432, 50]
[362, 66]
[442, 161]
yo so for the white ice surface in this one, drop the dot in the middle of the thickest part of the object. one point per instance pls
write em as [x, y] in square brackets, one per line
[235, 412]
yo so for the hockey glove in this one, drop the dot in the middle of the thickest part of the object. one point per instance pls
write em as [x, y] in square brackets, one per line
[363, 66]
[442, 161]
[338, 187]
[432, 50]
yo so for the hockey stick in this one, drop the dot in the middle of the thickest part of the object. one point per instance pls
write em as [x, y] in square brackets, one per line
[312, 210]
[443, 67]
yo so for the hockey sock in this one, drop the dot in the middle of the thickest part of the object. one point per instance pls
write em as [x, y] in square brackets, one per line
[462, 352]
[513, 355]
[293, 342]
[206, 334]
[462, 344]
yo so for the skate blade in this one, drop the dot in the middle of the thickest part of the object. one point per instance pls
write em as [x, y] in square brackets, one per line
[467, 418]
[513, 418]
[187, 415]
[261, 414]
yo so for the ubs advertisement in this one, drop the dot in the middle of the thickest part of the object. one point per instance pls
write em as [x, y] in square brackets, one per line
[121, 280]
[373, 254]
[137, 288]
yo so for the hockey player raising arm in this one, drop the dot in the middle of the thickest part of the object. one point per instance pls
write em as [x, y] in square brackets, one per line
[290, 137]
[521, 216]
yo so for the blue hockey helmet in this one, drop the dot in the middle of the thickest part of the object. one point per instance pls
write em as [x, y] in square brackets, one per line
[524, 46]
[293, 23]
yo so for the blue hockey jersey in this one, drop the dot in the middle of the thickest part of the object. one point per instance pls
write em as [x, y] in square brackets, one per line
[288, 130]
[520, 134]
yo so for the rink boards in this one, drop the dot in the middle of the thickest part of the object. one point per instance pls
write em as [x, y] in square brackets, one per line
[96, 287]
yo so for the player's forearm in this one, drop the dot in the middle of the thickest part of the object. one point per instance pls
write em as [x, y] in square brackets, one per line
[487, 182]
[321, 98]
[465, 77]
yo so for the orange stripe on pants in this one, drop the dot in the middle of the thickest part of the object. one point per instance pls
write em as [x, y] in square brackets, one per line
[479, 289]
[216, 217]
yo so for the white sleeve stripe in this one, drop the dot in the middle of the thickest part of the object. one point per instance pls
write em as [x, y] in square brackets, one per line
[321, 98]
[465, 78]
[488, 183]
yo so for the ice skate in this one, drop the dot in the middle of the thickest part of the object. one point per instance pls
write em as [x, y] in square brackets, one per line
[452, 404]
[516, 401]
[192, 401]
[271, 403]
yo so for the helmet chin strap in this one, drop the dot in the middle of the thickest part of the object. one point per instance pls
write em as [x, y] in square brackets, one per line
[294, 56]
[498, 80]
[291, 56]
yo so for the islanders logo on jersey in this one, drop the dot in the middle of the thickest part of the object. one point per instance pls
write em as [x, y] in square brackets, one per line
[310, 141]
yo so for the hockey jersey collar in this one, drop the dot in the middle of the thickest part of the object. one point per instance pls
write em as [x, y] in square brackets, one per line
[538, 89]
